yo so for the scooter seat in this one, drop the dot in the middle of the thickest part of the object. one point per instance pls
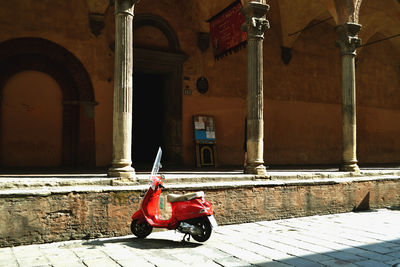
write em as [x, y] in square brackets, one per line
[189, 196]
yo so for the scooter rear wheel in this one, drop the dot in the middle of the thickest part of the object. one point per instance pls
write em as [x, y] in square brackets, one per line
[141, 230]
[205, 225]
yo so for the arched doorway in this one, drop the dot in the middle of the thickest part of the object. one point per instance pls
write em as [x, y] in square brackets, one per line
[43, 58]
[157, 92]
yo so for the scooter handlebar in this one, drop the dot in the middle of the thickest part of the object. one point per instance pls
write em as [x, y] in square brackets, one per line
[156, 181]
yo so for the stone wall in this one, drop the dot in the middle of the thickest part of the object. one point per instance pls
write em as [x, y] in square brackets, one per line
[57, 217]
[37, 216]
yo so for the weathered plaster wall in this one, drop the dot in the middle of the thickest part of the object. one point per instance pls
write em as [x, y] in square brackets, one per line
[31, 103]
[104, 88]
[302, 107]
[302, 132]
[67, 24]
[229, 115]
[297, 93]
[302, 99]
[378, 96]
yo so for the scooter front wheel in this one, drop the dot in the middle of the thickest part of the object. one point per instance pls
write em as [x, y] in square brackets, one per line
[204, 224]
[141, 230]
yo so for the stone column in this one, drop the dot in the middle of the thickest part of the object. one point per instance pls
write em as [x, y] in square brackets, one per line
[255, 26]
[123, 70]
[348, 43]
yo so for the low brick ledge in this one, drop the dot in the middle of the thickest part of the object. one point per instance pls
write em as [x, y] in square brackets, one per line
[46, 190]
[15, 182]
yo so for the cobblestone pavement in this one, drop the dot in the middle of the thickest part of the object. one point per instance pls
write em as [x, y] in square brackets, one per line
[350, 239]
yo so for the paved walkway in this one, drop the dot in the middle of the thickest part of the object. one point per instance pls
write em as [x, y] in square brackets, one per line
[349, 239]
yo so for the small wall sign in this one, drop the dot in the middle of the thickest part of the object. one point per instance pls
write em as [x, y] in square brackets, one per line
[205, 141]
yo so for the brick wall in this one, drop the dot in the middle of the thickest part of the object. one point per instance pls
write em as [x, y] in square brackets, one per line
[38, 218]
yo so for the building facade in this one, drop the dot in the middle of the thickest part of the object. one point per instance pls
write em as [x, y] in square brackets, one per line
[324, 96]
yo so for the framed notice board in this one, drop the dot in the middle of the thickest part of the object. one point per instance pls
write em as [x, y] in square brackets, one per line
[205, 141]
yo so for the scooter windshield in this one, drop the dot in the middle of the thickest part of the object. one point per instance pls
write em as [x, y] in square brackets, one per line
[156, 168]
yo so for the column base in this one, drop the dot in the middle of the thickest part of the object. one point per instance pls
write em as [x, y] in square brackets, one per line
[349, 167]
[255, 169]
[123, 173]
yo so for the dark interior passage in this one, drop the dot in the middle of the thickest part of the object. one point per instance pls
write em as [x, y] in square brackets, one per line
[148, 118]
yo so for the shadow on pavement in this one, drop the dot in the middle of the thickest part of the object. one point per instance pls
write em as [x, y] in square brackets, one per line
[147, 243]
[384, 254]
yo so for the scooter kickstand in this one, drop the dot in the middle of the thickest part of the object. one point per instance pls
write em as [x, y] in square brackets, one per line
[187, 238]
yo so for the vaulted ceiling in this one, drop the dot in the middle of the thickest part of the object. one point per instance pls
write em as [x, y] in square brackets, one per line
[375, 16]
[381, 16]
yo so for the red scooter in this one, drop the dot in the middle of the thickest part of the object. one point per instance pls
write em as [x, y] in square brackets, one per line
[191, 213]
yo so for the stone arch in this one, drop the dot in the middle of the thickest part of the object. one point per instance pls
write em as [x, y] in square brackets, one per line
[347, 11]
[357, 8]
[158, 22]
[37, 54]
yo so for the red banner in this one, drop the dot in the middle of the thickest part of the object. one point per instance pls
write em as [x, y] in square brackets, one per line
[225, 30]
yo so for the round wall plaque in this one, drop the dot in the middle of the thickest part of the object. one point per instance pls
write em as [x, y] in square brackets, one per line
[202, 85]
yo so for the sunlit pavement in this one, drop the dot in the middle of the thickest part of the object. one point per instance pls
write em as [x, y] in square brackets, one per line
[369, 238]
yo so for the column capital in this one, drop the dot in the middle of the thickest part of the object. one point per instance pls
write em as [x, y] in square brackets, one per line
[124, 7]
[255, 22]
[348, 39]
